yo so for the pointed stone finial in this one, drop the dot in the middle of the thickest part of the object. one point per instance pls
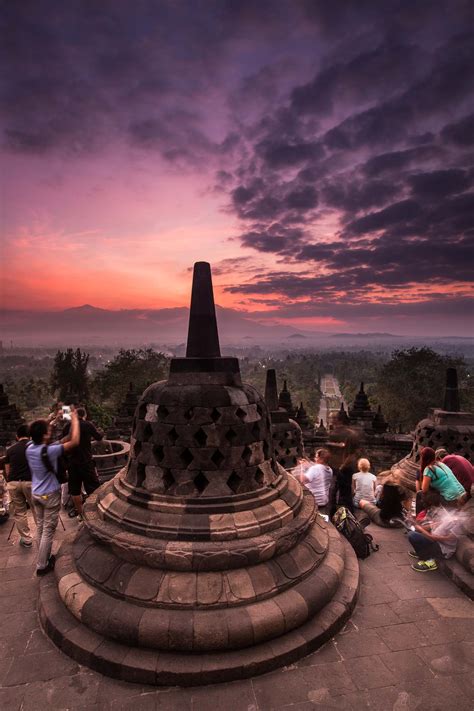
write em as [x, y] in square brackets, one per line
[361, 387]
[203, 338]
[284, 385]
[271, 393]
[451, 395]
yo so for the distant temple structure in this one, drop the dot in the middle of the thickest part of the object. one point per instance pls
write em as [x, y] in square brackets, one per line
[203, 560]
[286, 433]
[285, 402]
[371, 429]
[122, 423]
[10, 419]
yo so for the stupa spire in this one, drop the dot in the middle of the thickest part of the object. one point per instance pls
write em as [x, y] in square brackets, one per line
[203, 338]
[451, 395]
[271, 393]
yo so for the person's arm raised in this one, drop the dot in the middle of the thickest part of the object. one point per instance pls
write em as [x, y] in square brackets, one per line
[74, 434]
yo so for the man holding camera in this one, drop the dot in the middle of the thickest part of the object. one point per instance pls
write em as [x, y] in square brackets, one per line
[81, 467]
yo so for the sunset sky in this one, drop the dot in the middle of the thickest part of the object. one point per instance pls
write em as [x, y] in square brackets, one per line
[319, 154]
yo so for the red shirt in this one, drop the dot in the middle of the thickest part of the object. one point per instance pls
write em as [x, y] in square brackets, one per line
[462, 470]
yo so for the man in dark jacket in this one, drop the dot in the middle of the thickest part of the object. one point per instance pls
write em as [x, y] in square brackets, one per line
[81, 467]
[18, 476]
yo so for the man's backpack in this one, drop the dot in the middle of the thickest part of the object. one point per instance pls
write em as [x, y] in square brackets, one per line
[61, 472]
[348, 525]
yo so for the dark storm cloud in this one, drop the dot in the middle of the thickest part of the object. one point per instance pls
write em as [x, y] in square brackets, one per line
[439, 183]
[461, 132]
[79, 74]
[377, 133]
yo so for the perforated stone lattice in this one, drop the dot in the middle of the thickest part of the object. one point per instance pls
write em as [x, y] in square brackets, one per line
[455, 440]
[197, 451]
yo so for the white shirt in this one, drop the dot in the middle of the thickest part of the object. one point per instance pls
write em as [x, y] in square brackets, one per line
[318, 480]
[364, 482]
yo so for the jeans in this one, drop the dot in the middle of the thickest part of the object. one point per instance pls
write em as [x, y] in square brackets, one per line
[423, 547]
[47, 515]
[20, 496]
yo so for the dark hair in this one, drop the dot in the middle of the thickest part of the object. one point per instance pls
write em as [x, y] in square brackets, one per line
[431, 498]
[23, 431]
[81, 412]
[352, 451]
[428, 456]
[390, 502]
[38, 429]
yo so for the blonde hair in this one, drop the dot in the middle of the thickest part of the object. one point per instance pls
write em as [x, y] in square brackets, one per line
[364, 465]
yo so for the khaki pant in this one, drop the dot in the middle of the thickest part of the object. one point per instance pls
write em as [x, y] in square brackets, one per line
[47, 513]
[20, 496]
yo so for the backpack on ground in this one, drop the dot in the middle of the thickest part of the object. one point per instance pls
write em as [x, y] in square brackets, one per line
[348, 525]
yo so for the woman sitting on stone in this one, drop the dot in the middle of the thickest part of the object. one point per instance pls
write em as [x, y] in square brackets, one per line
[393, 503]
[440, 477]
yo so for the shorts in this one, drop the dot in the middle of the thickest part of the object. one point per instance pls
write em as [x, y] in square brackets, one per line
[82, 474]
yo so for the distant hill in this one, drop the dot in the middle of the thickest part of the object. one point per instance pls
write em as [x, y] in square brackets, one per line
[365, 335]
[89, 324]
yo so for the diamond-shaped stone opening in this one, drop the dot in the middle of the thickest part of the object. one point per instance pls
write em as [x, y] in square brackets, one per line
[246, 455]
[200, 482]
[168, 480]
[230, 435]
[186, 457]
[217, 458]
[266, 449]
[137, 448]
[215, 415]
[256, 430]
[189, 414]
[147, 432]
[162, 412]
[233, 482]
[201, 437]
[141, 474]
[241, 414]
[173, 436]
[158, 453]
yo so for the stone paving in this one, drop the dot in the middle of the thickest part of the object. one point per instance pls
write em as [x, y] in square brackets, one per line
[409, 645]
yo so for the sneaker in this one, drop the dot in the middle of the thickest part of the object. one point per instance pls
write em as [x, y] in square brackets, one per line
[424, 566]
[25, 543]
[412, 554]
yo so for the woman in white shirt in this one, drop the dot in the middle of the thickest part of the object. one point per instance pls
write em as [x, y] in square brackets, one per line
[363, 483]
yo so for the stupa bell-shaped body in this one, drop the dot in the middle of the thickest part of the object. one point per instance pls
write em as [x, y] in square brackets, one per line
[202, 560]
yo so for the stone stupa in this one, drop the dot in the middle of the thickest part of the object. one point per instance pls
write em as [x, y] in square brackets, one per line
[286, 433]
[446, 427]
[202, 560]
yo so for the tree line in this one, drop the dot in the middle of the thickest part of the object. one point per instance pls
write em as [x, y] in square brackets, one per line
[406, 383]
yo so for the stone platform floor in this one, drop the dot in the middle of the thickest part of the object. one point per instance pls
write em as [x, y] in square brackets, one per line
[409, 645]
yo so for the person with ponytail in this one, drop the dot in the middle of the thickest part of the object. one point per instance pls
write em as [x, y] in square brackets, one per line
[436, 475]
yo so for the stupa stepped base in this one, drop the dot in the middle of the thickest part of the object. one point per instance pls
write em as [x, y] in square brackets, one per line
[166, 668]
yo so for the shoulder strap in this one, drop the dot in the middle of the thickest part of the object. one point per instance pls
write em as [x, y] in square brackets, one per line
[46, 460]
[433, 472]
